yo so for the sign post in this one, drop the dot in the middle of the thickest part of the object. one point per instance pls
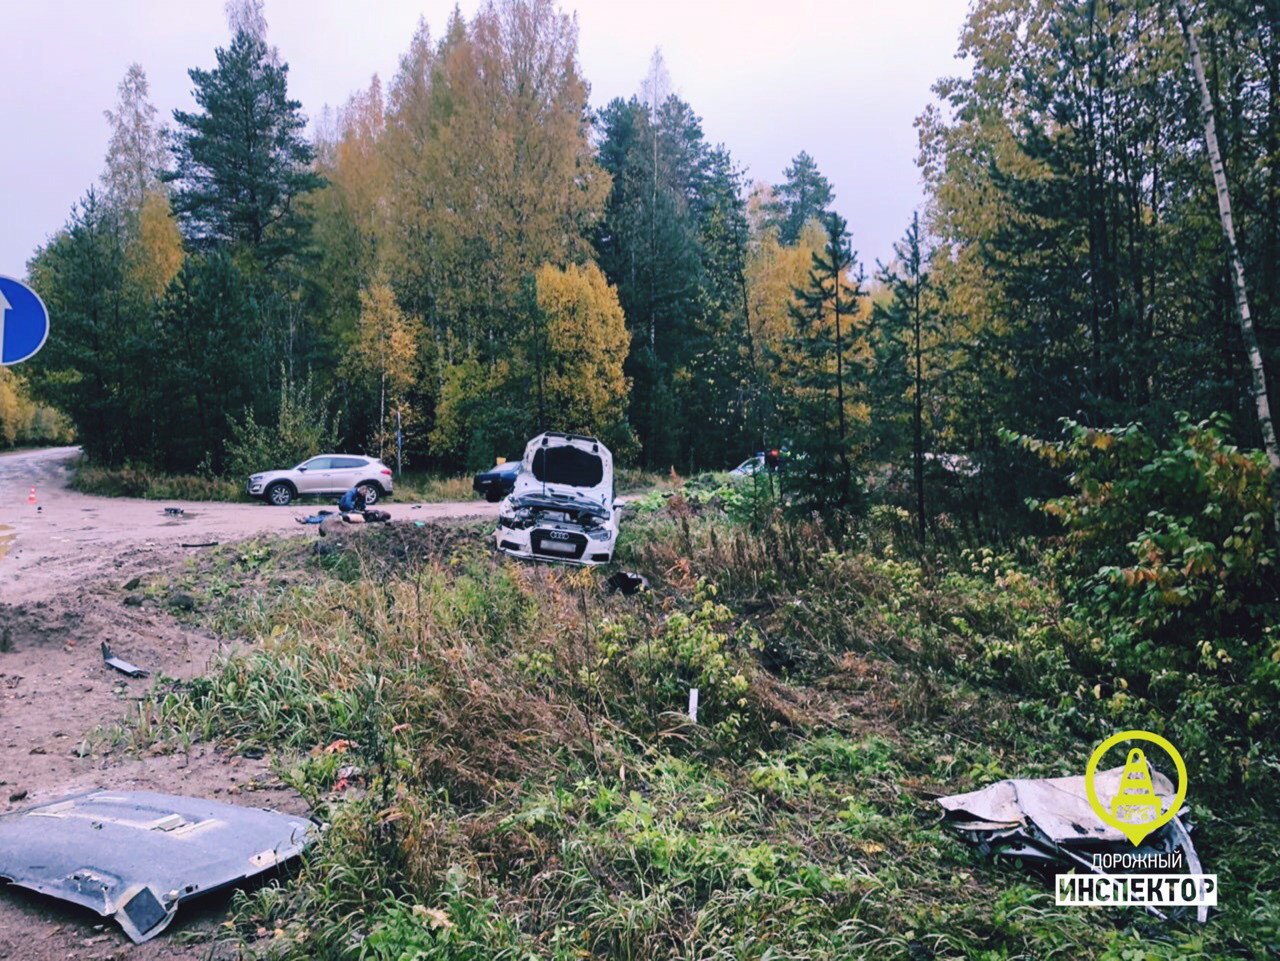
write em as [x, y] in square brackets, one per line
[24, 322]
[399, 441]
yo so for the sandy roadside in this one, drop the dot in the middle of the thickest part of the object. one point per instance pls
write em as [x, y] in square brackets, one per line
[63, 561]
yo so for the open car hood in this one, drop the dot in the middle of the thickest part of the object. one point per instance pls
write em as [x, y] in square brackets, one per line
[560, 467]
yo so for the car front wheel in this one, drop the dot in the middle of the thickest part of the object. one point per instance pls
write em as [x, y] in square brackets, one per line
[281, 495]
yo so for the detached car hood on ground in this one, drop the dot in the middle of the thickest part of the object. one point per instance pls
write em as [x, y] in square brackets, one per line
[136, 855]
[1050, 821]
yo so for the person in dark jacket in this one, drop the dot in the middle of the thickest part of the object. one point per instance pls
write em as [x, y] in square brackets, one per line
[353, 501]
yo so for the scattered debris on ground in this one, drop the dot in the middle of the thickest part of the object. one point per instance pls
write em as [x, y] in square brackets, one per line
[203, 544]
[1048, 822]
[627, 583]
[175, 511]
[123, 666]
[137, 855]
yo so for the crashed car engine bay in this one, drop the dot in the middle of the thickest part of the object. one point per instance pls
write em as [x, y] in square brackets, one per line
[561, 507]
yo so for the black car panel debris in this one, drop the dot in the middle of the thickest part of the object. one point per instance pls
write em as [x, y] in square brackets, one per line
[1048, 821]
[123, 666]
[135, 855]
[627, 583]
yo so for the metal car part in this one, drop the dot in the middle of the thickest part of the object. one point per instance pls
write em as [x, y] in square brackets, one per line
[137, 855]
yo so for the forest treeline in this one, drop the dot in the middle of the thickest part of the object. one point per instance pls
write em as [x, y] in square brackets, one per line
[473, 252]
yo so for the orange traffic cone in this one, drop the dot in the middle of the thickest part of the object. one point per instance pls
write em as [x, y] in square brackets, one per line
[31, 498]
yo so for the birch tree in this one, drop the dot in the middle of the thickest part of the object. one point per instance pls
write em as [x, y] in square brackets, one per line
[1257, 372]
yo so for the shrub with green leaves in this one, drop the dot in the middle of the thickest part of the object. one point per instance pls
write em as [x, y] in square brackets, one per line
[303, 426]
[1170, 560]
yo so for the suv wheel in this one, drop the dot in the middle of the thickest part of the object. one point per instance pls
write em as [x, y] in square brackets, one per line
[373, 491]
[280, 494]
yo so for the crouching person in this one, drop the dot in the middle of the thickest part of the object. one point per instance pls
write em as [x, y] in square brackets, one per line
[353, 501]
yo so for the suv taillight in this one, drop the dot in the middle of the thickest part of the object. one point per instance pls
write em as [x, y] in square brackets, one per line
[387, 471]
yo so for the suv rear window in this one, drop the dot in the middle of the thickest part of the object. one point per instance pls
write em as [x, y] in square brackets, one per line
[567, 465]
[348, 463]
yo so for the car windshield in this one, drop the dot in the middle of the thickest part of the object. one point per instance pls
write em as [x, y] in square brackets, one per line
[567, 465]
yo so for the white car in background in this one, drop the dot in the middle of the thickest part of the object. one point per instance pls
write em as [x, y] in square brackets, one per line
[324, 474]
[562, 505]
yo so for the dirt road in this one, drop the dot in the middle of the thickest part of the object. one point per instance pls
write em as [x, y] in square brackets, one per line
[63, 561]
[67, 539]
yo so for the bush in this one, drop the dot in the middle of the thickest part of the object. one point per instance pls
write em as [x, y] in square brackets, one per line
[303, 427]
[139, 480]
[1169, 557]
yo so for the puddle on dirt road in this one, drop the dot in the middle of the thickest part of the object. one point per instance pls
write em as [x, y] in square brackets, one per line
[174, 519]
[7, 537]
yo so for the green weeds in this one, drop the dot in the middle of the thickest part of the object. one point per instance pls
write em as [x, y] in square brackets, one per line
[503, 755]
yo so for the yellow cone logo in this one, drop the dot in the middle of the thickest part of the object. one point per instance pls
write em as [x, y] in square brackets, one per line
[1135, 809]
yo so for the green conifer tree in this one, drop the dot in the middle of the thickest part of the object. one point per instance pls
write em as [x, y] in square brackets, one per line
[241, 161]
[823, 363]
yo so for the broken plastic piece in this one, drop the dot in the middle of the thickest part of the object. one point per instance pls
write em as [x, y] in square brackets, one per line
[135, 855]
[175, 511]
[124, 667]
[628, 583]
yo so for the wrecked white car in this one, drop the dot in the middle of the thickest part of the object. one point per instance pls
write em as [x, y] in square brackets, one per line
[562, 505]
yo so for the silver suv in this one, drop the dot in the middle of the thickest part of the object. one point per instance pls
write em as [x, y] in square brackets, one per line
[323, 474]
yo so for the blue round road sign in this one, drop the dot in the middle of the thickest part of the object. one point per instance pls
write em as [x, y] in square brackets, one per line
[24, 323]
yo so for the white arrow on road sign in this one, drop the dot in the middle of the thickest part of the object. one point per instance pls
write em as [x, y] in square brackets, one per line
[4, 309]
[24, 322]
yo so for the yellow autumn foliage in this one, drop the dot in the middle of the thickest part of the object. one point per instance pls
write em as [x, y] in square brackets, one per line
[586, 338]
[156, 255]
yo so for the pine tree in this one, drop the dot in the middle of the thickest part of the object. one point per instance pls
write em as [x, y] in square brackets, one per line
[721, 385]
[822, 361]
[648, 246]
[211, 362]
[241, 161]
[804, 195]
[901, 329]
[90, 369]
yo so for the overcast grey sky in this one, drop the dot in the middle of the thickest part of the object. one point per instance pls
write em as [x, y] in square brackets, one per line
[843, 79]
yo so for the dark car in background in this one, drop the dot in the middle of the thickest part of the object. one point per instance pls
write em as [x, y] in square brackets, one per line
[497, 482]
